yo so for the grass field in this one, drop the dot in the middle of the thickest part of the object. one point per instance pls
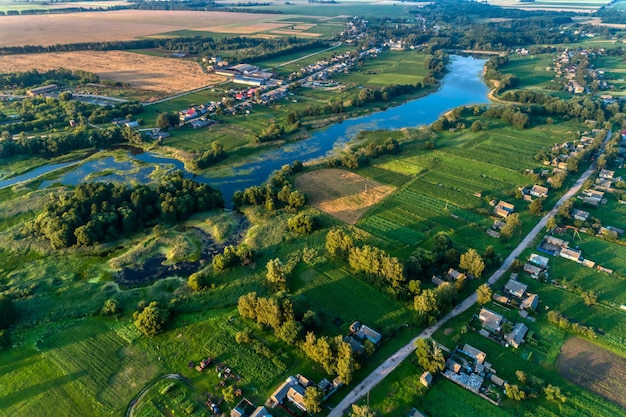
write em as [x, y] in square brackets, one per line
[437, 187]
[391, 67]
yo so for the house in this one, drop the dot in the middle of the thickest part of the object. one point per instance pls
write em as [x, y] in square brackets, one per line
[281, 392]
[295, 394]
[571, 254]
[538, 260]
[453, 274]
[539, 191]
[532, 270]
[497, 380]
[611, 230]
[606, 174]
[133, 125]
[426, 379]
[503, 209]
[243, 409]
[260, 412]
[515, 288]
[415, 413]
[530, 303]
[479, 355]
[363, 332]
[580, 215]
[436, 280]
[490, 320]
[516, 336]
[41, 90]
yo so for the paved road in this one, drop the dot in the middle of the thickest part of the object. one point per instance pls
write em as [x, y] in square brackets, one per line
[394, 360]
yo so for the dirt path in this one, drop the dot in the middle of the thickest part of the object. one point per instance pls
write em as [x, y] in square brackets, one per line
[131, 407]
[394, 360]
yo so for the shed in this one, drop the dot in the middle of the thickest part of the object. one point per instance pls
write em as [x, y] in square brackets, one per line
[426, 379]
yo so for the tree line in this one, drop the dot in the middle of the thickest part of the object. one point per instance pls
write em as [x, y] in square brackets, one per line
[102, 212]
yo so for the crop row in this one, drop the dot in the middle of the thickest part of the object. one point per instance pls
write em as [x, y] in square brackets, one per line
[384, 176]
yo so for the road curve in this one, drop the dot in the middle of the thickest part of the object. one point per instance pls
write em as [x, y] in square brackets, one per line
[391, 363]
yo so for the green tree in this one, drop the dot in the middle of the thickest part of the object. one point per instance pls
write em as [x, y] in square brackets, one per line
[484, 294]
[339, 243]
[152, 319]
[554, 393]
[197, 281]
[362, 411]
[476, 126]
[276, 274]
[472, 262]
[8, 312]
[345, 362]
[590, 298]
[551, 224]
[229, 394]
[111, 307]
[426, 306]
[290, 331]
[429, 355]
[536, 206]
[514, 392]
[303, 224]
[313, 399]
[512, 224]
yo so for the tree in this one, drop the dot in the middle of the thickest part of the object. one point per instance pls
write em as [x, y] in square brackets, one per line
[426, 306]
[514, 392]
[197, 281]
[362, 411]
[290, 331]
[339, 243]
[484, 294]
[229, 394]
[152, 320]
[511, 224]
[303, 224]
[536, 206]
[521, 376]
[476, 126]
[313, 399]
[590, 298]
[551, 224]
[554, 393]
[276, 274]
[110, 308]
[429, 355]
[472, 263]
[8, 312]
[345, 362]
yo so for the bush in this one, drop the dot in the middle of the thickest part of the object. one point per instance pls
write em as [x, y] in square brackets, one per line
[302, 224]
[111, 308]
[198, 281]
[152, 319]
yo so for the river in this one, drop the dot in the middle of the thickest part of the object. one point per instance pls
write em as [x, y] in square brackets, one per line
[461, 85]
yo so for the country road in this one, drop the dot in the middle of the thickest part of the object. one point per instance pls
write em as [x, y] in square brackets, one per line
[394, 360]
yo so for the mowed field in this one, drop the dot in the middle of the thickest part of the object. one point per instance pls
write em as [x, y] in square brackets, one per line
[158, 74]
[594, 368]
[122, 25]
[342, 194]
[448, 188]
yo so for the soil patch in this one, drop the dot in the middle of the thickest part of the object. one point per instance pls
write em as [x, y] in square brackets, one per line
[52, 29]
[342, 194]
[152, 73]
[594, 368]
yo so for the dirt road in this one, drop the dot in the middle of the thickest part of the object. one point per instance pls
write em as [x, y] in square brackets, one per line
[394, 360]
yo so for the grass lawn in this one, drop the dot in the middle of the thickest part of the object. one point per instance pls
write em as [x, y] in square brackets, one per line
[391, 67]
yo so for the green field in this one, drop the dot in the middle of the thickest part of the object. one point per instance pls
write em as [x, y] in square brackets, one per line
[390, 67]
[437, 187]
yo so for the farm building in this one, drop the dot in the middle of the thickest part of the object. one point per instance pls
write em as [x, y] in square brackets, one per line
[516, 337]
[490, 320]
[539, 191]
[243, 409]
[292, 389]
[260, 412]
[532, 270]
[426, 379]
[515, 288]
[281, 392]
[471, 351]
[295, 394]
[436, 280]
[41, 90]
[580, 215]
[453, 274]
[610, 230]
[363, 332]
[530, 303]
[415, 413]
[540, 261]
[571, 254]
[503, 209]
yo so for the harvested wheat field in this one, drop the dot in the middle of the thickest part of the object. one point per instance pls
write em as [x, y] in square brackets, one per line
[119, 25]
[594, 368]
[342, 194]
[161, 75]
